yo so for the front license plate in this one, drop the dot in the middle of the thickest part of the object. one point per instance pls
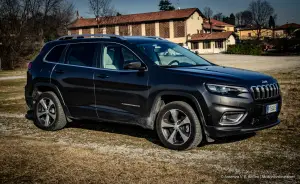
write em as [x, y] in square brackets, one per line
[272, 108]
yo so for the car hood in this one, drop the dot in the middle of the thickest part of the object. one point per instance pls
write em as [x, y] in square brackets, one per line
[227, 74]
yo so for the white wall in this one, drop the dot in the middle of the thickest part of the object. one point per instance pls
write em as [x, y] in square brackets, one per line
[194, 23]
[212, 49]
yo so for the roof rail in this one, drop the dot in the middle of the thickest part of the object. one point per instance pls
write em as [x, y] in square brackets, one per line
[155, 37]
[71, 37]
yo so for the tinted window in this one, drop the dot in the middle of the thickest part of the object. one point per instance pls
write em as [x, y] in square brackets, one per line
[128, 55]
[115, 56]
[82, 54]
[55, 53]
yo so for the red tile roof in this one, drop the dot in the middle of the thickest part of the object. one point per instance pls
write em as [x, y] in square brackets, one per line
[217, 22]
[211, 36]
[135, 18]
[207, 26]
[287, 26]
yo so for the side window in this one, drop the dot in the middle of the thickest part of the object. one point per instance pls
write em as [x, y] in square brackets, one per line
[115, 56]
[128, 56]
[112, 57]
[82, 54]
[55, 54]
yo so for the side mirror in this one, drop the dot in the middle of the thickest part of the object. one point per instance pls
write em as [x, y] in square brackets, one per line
[134, 65]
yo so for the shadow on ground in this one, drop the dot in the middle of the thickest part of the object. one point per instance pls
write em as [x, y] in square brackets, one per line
[136, 131]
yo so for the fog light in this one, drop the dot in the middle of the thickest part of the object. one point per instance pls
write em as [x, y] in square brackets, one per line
[231, 118]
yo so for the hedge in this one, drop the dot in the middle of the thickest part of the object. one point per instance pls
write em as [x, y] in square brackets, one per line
[245, 49]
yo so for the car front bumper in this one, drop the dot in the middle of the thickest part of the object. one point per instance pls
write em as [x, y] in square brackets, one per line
[256, 118]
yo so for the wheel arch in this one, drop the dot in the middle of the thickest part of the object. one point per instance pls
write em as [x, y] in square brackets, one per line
[41, 87]
[166, 97]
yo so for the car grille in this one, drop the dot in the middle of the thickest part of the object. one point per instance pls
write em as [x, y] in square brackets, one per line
[265, 91]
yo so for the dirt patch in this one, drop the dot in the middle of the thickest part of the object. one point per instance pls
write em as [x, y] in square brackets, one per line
[92, 152]
[256, 63]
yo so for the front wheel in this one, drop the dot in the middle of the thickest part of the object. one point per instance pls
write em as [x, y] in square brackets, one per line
[178, 126]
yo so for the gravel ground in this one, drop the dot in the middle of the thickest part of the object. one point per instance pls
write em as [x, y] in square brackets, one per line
[90, 152]
[12, 77]
[256, 63]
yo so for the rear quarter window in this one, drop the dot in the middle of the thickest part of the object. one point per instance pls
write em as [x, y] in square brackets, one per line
[55, 54]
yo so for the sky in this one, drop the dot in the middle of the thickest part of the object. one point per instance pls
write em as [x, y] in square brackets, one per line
[286, 10]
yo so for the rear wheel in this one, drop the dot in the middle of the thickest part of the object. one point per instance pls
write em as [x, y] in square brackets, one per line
[178, 126]
[48, 112]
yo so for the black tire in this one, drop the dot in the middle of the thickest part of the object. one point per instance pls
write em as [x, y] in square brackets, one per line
[195, 127]
[60, 121]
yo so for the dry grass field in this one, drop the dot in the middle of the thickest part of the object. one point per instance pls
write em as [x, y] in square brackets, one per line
[91, 152]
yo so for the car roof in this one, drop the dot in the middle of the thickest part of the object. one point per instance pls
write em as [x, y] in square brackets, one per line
[119, 39]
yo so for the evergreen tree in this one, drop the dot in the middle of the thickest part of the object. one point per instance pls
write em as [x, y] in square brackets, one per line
[271, 22]
[165, 5]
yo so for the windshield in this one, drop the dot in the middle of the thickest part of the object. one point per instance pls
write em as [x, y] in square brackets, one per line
[171, 55]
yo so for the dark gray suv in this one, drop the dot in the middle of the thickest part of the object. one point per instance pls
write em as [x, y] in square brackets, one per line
[149, 82]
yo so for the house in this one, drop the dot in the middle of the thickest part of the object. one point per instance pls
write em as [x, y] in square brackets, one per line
[286, 30]
[250, 33]
[216, 26]
[173, 25]
[215, 42]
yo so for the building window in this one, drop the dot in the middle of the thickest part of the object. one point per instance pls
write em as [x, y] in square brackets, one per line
[206, 45]
[249, 34]
[74, 31]
[150, 29]
[110, 30]
[164, 29]
[195, 45]
[179, 29]
[86, 31]
[181, 44]
[98, 30]
[123, 30]
[219, 44]
[136, 30]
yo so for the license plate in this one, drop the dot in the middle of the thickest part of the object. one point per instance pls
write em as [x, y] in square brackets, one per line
[272, 108]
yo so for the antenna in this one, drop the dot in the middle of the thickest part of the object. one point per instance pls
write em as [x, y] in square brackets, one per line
[178, 4]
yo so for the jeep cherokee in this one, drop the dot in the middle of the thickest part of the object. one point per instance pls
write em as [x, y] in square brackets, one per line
[149, 82]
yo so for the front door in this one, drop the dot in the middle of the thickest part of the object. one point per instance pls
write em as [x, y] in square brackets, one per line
[121, 95]
[74, 78]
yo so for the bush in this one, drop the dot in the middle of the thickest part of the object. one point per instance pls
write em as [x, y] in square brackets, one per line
[245, 49]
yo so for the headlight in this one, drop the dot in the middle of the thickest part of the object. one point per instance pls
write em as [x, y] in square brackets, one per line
[226, 90]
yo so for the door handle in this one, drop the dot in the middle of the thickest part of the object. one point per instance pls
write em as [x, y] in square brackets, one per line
[59, 71]
[103, 76]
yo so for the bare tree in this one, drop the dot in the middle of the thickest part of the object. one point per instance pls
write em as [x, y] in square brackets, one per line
[261, 12]
[218, 16]
[247, 18]
[25, 24]
[208, 13]
[101, 8]
[238, 17]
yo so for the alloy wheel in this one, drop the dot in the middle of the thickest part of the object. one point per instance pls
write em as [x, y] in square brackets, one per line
[176, 127]
[46, 112]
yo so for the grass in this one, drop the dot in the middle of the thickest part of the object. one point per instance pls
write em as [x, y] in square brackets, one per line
[91, 152]
[8, 73]
[12, 98]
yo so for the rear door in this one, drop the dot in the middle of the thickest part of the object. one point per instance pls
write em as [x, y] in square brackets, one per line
[121, 95]
[74, 78]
